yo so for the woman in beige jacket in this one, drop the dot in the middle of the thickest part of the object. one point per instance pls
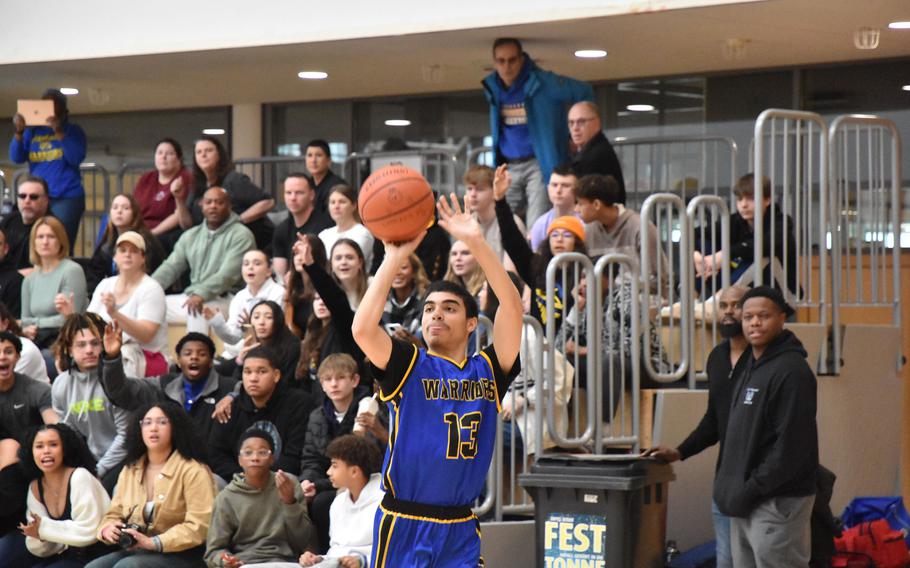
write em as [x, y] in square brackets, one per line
[165, 490]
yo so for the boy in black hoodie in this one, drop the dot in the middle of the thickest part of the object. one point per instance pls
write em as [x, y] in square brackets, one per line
[769, 457]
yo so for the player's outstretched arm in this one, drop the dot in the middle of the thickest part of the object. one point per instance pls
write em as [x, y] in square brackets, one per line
[507, 327]
[371, 338]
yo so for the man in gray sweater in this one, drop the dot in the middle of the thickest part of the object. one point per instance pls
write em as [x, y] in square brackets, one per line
[79, 398]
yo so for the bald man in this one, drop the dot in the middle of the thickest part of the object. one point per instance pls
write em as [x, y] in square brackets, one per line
[212, 251]
[594, 153]
[725, 363]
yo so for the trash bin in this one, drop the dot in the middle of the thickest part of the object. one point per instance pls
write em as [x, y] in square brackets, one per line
[599, 511]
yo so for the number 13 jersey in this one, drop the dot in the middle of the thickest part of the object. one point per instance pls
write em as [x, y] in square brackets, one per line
[442, 423]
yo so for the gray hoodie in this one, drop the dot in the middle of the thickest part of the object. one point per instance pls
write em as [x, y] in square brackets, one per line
[256, 526]
[82, 404]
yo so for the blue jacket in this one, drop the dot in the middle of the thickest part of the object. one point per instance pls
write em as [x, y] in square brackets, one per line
[548, 97]
[57, 161]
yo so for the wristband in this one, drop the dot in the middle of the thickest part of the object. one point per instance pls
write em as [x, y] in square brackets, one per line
[157, 542]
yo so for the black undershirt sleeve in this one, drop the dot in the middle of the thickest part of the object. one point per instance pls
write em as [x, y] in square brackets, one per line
[390, 378]
[502, 379]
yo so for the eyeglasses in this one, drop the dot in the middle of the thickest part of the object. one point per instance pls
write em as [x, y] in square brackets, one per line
[147, 422]
[257, 453]
[579, 122]
[562, 234]
[29, 196]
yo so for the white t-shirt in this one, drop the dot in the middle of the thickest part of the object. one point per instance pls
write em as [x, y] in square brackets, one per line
[358, 233]
[31, 363]
[228, 329]
[147, 304]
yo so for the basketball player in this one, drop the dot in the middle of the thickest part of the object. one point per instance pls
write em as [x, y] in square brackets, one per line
[442, 405]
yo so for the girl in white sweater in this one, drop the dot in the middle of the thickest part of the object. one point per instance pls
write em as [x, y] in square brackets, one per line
[66, 502]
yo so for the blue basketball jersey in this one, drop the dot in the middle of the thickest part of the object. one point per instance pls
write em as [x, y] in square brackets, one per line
[442, 425]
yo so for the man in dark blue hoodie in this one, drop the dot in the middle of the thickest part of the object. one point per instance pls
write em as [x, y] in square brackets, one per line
[528, 108]
[769, 457]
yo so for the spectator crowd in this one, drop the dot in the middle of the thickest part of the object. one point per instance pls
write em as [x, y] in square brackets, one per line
[117, 449]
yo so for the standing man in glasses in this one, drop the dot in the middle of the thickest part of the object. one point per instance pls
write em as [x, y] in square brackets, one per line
[594, 154]
[527, 122]
[32, 203]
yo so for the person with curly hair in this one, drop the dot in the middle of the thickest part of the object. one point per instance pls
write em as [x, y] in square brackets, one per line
[66, 502]
[165, 490]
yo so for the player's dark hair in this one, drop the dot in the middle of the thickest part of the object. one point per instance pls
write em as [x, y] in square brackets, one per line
[470, 303]
[75, 450]
[196, 336]
[357, 451]
[501, 41]
[603, 188]
[322, 145]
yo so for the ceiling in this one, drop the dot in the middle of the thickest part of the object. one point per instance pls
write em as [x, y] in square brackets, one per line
[775, 33]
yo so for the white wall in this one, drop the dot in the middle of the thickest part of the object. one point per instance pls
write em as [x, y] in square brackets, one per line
[62, 30]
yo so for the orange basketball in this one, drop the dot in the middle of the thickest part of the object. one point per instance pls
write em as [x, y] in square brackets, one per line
[396, 203]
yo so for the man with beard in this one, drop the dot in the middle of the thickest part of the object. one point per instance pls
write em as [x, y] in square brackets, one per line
[725, 363]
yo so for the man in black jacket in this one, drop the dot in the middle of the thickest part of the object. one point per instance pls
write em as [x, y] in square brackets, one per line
[261, 403]
[769, 456]
[197, 387]
[595, 154]
[725, 364]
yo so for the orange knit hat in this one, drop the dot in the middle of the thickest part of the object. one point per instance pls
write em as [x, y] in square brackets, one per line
[569, 223]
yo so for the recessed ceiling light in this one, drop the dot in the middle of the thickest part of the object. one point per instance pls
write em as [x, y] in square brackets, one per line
[640, 108]
[906, 87]
[69, 91]
[312, 74]
[213, 131]
[590, 53]
[899, 25]
[397, 122]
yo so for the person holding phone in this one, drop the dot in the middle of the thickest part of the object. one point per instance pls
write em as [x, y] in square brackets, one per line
[54, 152]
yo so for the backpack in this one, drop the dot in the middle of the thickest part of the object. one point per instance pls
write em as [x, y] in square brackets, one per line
[881, 546]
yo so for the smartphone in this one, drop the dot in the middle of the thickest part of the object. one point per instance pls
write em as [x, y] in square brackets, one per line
[35, 112]
[391, 328]
[247, 329]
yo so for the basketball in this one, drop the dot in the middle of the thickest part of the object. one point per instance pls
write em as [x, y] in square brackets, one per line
[396, 203]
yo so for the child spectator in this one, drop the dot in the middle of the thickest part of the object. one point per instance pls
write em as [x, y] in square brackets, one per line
[260, 285]
[123, 216]
[349, 269]
[155, 192]
[343, 210]
[136, 301]
[354, 471]
[197, 387]
[261, 516]
[66, 502]
[402, 309]
[340, 382]
[79, 398]
[165, 489]
[259, 403]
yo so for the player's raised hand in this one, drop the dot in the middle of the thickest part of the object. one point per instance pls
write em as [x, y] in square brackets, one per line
[457, 221]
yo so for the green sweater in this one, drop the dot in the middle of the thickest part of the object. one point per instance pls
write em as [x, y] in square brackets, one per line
[256, 526]
[214, 258]
[40, 288]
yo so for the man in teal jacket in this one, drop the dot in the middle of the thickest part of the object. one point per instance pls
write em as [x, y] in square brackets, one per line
[213, 252]
[528, 110]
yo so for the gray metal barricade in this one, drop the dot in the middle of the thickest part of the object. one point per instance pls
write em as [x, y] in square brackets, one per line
[865, 176]
[612, 332]
[268, 172]
[483, 336]
[705, 214]
[473, 157]
[129, 173]
[683, 165]
[439, 166]
[659, 264]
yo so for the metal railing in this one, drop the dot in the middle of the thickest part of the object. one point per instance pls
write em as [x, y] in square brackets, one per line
[660, 260]
[865, 181]
[129, 173]
[791, 150]
[439, 166]
[683, 165]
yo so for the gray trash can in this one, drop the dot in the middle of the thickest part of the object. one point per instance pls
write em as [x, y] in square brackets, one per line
[599, 511]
